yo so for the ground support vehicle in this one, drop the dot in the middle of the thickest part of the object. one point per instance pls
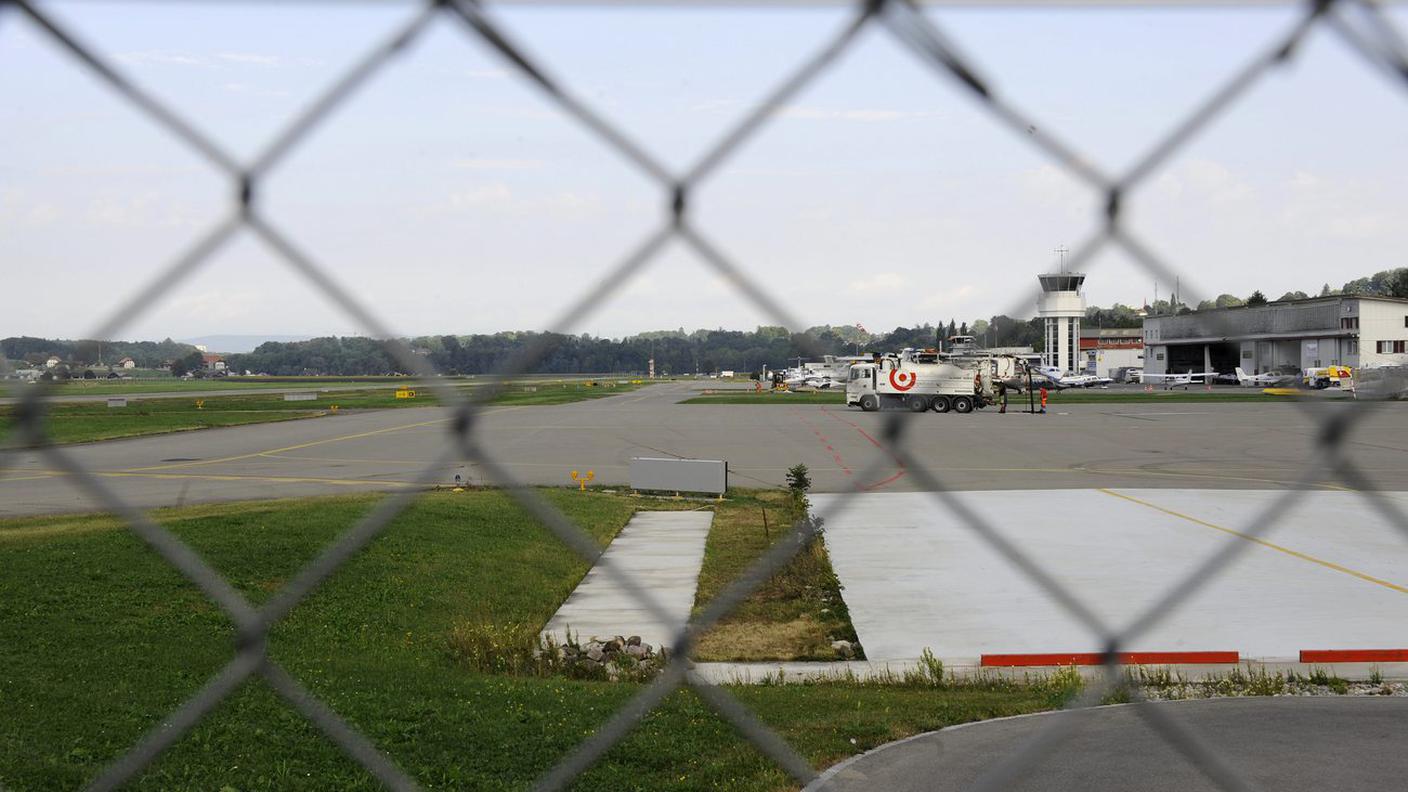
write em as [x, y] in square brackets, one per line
[893, 382]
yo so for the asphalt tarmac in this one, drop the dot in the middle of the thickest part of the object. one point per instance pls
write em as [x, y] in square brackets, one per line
[1288, 744]
[1083, 446]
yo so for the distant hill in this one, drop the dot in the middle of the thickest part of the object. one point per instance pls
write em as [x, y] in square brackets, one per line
[235, 344]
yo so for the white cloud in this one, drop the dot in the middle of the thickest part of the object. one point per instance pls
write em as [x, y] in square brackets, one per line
[880, 282]
[245, 89]
[163, 57]
[862, 115]
[253, 58]
[482, 163]
[488, 195]
[1204, 182]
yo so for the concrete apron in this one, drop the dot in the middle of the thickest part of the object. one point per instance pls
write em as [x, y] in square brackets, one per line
[662, 553]
[1328, 575]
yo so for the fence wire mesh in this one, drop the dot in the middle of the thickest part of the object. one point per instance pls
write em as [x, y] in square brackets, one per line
[1361, 25]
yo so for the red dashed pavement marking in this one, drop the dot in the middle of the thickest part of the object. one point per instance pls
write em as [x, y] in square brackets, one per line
[1096, 658]
[898, 462]
[826, 441]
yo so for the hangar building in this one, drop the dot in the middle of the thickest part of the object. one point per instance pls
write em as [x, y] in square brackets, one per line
[1347, 330]
[1106, 350]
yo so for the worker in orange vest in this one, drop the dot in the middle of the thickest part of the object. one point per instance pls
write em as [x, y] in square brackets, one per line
[1043, 398]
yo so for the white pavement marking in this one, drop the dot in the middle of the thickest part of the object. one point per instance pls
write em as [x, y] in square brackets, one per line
[663, 552]
[1332, 574]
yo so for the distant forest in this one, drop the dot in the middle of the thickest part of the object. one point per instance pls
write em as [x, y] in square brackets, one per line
[146, 354]
[674, 351]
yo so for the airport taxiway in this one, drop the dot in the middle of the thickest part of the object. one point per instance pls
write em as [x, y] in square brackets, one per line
[1208, 445]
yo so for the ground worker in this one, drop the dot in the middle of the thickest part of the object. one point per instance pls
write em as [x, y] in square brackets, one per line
[1043, 398]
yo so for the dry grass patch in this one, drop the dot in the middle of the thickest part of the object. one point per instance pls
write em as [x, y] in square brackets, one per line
[795, 614]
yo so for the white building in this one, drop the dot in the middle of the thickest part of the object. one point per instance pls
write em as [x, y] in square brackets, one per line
[1061, 307]
[1347, 330]
[1106, 350]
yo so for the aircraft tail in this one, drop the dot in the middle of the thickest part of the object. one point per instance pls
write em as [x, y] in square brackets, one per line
[1241, 376]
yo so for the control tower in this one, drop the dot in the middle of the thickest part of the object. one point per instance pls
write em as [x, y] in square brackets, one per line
[1061, 307]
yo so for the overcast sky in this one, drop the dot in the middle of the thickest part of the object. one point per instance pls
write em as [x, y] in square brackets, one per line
[454, 198]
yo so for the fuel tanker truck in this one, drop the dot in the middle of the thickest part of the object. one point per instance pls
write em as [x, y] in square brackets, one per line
[920, 382]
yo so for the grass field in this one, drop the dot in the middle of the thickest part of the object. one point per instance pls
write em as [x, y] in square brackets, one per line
[99, 639]
[89, 421]
[106, 387]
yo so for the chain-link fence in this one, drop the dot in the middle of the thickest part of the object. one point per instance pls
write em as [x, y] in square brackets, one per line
[1362, 25]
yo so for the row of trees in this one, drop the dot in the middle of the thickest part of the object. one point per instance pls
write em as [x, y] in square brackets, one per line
[1387, 283]
[674, 351]
[146, 354]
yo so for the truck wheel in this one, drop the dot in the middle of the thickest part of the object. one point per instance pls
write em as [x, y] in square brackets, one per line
[941, 404]
[869, 403]
[962, 404]
[917, 403]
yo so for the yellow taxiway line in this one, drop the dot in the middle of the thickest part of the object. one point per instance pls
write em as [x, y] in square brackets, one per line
[325, 441]
[1256, 540]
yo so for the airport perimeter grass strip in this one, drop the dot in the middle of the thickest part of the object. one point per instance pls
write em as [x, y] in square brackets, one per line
[796, 614]
[85, 422]
[99, 640]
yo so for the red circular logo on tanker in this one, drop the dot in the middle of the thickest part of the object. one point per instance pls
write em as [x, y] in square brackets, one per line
[902, 380]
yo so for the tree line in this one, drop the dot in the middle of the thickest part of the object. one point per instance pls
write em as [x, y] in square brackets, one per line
[146, 354]
[674, 351]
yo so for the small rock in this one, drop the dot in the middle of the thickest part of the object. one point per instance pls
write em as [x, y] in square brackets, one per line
[843, 649]
[634, 640]
[611, 647]
[595, 654]
[636, 651]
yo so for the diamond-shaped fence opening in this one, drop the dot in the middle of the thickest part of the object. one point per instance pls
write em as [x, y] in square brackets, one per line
[1360, 24]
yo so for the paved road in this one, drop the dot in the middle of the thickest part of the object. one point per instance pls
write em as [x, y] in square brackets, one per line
[1283, 744]
[1212, 445]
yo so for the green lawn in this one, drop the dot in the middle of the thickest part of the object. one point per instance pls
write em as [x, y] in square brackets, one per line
[80, 422]
[107, 387]
[99, 639]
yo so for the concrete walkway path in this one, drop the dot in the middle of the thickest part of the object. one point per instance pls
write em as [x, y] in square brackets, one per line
[663, 552]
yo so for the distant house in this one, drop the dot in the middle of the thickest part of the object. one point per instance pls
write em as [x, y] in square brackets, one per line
[127, 363]
[52, 362]
[213, 362]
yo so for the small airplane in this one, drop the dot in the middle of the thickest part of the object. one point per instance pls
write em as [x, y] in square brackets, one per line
[1267, 380]
[1062, 380]
[1171, 381]
[803, 378]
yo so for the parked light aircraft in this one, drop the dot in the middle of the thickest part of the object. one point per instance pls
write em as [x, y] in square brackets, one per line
[1063, 381]
[1171, 381]
[805, 378]
[1267, 380]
